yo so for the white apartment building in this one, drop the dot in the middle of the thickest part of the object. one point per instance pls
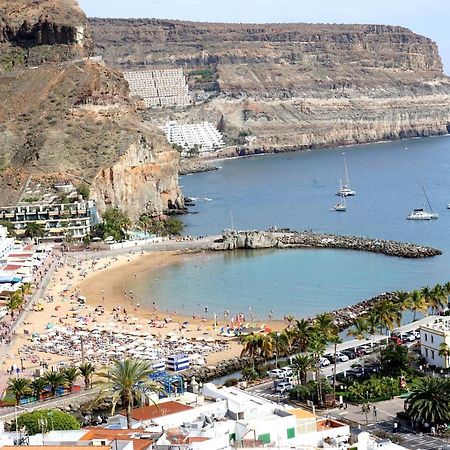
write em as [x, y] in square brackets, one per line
[204, 136]
[6, 243]
[432, 337]
[159, 88]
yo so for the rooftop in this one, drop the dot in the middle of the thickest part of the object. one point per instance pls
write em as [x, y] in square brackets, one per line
[159, 410]
[439, 324]
[141, 440]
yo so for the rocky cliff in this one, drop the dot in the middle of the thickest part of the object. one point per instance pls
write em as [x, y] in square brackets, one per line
[74, 119]
[293, 85]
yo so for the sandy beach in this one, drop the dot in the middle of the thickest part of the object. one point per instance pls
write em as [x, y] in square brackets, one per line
[103, 282]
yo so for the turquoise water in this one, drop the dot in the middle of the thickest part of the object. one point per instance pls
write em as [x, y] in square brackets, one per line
[297, 190]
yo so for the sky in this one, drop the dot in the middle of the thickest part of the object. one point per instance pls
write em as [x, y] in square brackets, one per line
[427, 17]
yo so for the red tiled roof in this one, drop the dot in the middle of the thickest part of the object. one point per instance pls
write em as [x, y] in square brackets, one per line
[120, 435]
[11, 267]
[160, 410]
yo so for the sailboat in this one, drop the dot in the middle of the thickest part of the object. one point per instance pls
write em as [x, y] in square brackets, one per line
[421, 213]
[345, 190]
[341, 205]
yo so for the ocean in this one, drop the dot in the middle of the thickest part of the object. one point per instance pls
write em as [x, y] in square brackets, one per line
[297, 190]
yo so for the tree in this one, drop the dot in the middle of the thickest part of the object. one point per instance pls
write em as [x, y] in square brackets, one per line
[317, 346]
[116, 223]
[394, 359]
[418, 303]
[256, 344]
[388, 314]
[87, 370]
[54, 380]
[372, 324]
[70, 374]
[14, 302]
[359, 329]
[38, 387]
[19, 388]
[303, 331]
[324, 324]
[403, 300]
[438, 298]
[26, 289]
[128, 381]
[84, 191]
[34, 230]
[144, 223]
[444, 352]
[302, 365]
[279, 342]
[336, 339]
[249, 374]
[55, 419]
[429, 401]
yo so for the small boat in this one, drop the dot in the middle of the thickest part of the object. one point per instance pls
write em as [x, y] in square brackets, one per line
[419, 214]
[345, 190]
[448, 206]
[341, 205]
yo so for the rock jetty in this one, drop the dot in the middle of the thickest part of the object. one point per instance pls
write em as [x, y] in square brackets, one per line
[188, 166]
[232, 240]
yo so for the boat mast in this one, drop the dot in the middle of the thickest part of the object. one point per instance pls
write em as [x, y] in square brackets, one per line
[347, 178]
[426, 196]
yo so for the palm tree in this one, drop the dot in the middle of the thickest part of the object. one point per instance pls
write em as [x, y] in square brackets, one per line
[54, 380]
[34, 230]
[336, 339]
[144, 223]
[438, 298]
[279, 341]
[303, 331]
[87, 370]
[290, 321]
[372, 325]
[444, 351]
[403, 299]
[418, 303]
[38, 386]
[324, 324]
[19, 387]
[250, 348]
[302, 364]
[14, 302]
[71, 375]
[128, 381]
[447, 287]
[317, 347]
[388, 314]
[429, 401]
[26, 289]
[359, 329]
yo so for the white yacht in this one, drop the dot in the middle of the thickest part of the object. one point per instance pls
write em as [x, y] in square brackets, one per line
[345, 189]
[420, 214]
[341, 205]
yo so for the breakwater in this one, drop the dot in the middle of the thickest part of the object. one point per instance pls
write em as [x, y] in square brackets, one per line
[232, 240]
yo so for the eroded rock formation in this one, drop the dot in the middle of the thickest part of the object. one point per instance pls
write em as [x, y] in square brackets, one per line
[294, 86]
[72, 118]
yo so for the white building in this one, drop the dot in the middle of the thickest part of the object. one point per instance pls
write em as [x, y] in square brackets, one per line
[159, 88]
[432, 337]
[204, 137]
[6, 243]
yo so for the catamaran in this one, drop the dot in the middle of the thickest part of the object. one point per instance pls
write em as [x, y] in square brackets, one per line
[345, 190]
[421, 213]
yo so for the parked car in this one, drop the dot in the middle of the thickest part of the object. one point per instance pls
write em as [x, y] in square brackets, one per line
[350, 353]
[324, 362]
[342, 357]
[283, 386]
[276, 373]
[287, 371]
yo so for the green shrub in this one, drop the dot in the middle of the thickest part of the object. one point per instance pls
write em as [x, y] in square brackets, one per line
[231, 382]
[300, 393]
[55, 419]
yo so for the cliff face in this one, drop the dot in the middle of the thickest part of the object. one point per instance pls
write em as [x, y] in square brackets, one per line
[75, 121]
[295, 85]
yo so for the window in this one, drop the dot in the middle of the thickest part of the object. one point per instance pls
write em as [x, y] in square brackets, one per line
[432, 338]
[232, 437]
[290, 433]
[264, 438]
[426, 337]
[432, 354]
[426, 352]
